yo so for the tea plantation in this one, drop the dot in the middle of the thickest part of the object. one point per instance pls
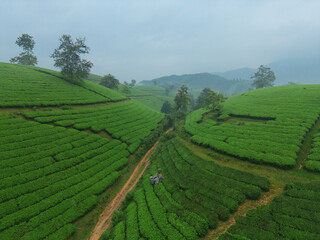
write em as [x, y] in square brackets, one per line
[288, 113]
[31, 86]
[293, 215]
[66, 151]
[193, 196]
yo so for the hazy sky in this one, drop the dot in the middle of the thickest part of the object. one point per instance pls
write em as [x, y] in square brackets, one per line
[144, 39]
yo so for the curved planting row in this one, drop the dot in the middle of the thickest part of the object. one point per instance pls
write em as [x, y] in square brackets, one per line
[129, 121]
[276, 142]
[313, 161]
[50, 176]
[193, 196]
[294, 215]
[24, 86]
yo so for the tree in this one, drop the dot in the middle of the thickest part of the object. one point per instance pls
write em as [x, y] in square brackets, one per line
[213, 101]
[126, 89]
[166, 107]
[182, 99]
[201, 100]
[67, 58]
[168, 89]
[209, 99]
[26, 57]
[109, 81]
[133, 83]
[264, 77]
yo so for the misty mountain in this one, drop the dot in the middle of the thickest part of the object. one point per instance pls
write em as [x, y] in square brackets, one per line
[297, 70]
[199, 81]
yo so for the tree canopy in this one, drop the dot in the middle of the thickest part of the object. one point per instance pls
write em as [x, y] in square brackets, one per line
[182, 99]
[166, 107]
[209, 99]
[109, 81]
[67, 58]
[264, 77]
[26, 57]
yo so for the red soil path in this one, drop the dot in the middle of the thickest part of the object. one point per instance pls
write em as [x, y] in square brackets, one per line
[105, 217]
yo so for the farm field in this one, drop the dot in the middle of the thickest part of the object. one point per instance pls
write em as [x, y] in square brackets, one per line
[276, 139]
[194, 195]
[50, 176]
[23, 86]
[293, 215]
[63, 160]
[129, 121]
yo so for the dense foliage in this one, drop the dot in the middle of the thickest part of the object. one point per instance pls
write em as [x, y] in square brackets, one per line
[193, 196]
[294, 215]
[50, 176]
[288, 113]
[67, 58]
[31, 86]
[26, 57]
[313, 161]
[129, 121]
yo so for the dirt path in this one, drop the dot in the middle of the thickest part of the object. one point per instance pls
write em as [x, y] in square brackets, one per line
[105, 217]
[266, 198]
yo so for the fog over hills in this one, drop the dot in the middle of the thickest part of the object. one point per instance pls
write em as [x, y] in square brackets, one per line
[298, 70]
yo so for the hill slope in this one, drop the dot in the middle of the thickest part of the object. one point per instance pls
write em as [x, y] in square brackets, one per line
[269, 126]
[32, 86]
[201, 80]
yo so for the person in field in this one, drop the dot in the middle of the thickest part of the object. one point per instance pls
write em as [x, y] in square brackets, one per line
[160, 177]
[151, 180]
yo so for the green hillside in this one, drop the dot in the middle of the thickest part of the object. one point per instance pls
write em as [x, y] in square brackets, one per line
[199, 81]
[151, 96]
[32, 86]
[67, 150]
[194, 195]
[293, 215]
[265, 126]
[59, 163]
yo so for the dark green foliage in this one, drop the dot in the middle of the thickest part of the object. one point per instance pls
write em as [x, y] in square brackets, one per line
[166, 107]
[181, 99]
[26, 57]
[117, 217]
[67, 58]
[109, 81]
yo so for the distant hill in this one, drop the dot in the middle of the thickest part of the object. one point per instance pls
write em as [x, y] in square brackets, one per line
[199, 81]
[297, 70]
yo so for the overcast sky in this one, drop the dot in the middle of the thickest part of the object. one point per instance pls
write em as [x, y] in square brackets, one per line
[145, 39]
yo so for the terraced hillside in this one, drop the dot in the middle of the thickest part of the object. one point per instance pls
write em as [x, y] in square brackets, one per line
[31, 86]
[193, 196]
[151, 96]
[293, 215]
[55, 163]
[265, 126]
[129, 121]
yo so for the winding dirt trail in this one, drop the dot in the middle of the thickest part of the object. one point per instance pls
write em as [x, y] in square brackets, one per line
[266, 198]
[105, 217]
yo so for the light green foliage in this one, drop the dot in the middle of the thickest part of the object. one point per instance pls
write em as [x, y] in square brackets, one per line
[294, 215]
[50, 176]
[151, 96]
[129, 121]
[289, 112]
[31, 86]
